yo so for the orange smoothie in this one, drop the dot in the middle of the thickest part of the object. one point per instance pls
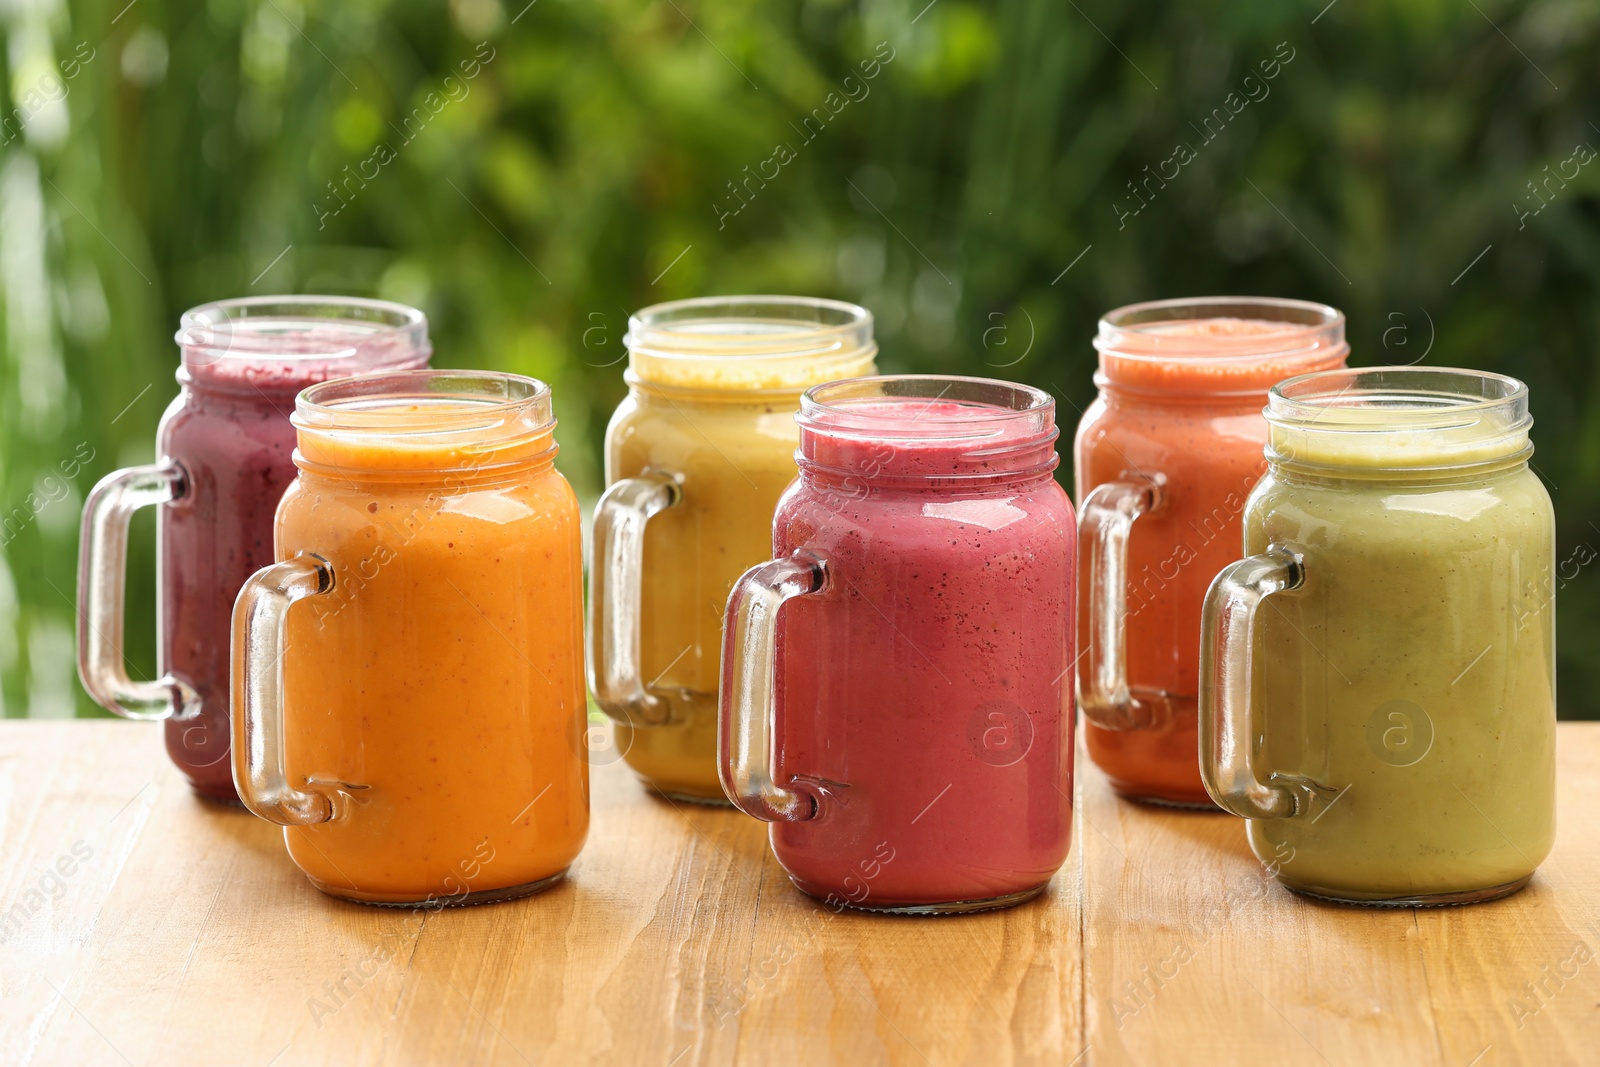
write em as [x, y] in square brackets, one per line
[1166, 457]
[435, 692]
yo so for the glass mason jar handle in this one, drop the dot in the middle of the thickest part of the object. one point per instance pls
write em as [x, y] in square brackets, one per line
[1227, 728]
[102, 587]
[616, 588]
[1107, 519]
[260, 629]
[748, 697]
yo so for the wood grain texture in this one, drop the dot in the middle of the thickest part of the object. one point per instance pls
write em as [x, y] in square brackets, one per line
[183, 934]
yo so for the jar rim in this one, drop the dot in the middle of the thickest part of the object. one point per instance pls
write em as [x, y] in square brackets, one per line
[254, 328]
[1137, 344]
[761, 343]
[1398, 418]
[1415, 395]
[975, 400]
[373, 401]
[966, 428]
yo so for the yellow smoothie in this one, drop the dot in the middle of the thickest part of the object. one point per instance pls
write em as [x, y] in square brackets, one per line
[1411, 676]
[713, 388]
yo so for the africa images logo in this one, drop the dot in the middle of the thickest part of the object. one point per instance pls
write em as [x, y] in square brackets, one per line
[1400, 733]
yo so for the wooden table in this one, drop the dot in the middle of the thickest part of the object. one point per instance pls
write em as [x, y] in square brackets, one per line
[183, 934]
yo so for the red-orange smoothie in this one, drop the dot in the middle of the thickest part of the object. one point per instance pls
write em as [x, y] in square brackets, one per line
[1182, 387]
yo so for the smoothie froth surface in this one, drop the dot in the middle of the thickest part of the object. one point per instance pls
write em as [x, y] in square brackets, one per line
[1216, 355]
[1367, 437]
[292, 354]
[913, 436]
[477, 435]
[744, 360]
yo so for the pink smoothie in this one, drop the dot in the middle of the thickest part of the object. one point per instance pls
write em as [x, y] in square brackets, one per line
[924, 696]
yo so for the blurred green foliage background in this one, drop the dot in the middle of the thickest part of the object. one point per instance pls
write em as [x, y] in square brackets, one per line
[574, 162]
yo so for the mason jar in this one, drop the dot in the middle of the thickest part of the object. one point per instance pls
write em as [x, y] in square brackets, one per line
[896, 695]
[408, 680]
[223, 448]
[1378, 673]
[696, 458]
[1165, 458]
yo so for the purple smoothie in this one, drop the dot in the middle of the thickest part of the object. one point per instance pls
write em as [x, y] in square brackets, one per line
[229, 430]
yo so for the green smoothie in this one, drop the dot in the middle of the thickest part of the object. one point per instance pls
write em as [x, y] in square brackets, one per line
[1411, 675]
